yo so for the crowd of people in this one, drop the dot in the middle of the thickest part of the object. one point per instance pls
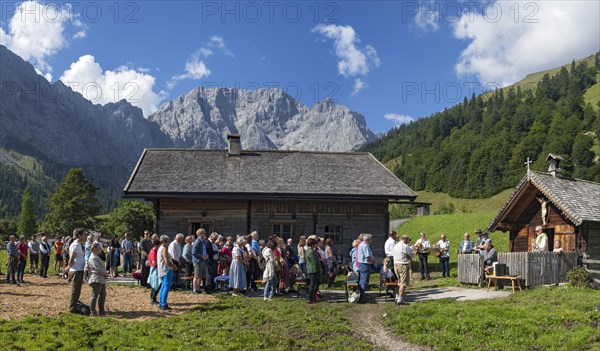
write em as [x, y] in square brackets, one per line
[213, 262]
[237, 263]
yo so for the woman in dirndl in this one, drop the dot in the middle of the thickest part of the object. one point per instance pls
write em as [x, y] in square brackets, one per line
[237, 271]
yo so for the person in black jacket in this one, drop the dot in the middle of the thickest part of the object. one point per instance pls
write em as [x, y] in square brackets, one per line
[212, 250]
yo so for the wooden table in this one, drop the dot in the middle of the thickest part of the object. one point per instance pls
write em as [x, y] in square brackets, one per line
[512, 279]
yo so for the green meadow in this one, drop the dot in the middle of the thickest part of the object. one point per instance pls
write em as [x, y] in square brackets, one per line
[544, 318]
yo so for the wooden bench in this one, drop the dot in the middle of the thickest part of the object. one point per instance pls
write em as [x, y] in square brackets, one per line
[259, 282]
[301, 284]
[351, 284]
[223, 283]
[187, 282]
[512, 279]
[389, 286]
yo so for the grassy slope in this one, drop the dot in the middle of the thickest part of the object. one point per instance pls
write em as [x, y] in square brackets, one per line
[230, 324]
[474, 205]
[592, 95]
[455, 225]
[545, 318]
[532, 79]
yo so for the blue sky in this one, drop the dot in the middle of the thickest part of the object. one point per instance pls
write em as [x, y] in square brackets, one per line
[404, 60]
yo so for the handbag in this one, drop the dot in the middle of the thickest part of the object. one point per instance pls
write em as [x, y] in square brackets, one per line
[153, 278]
[353, 297]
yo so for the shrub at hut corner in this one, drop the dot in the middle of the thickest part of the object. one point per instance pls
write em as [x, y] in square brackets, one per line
[579, 277]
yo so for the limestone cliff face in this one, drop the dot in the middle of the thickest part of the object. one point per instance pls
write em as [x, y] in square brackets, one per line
[266, 119]
[52, 122]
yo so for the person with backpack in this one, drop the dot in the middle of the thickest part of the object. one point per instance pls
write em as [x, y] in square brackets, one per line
[267, 265]
[96, 268]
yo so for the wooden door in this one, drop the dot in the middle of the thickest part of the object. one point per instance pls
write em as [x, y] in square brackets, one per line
[566, 234]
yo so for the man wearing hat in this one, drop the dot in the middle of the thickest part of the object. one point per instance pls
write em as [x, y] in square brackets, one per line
[479, 238]
[483, 240]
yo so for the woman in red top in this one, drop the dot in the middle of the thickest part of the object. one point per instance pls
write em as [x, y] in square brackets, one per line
[225, 258]
[22, 247]
[152, 262]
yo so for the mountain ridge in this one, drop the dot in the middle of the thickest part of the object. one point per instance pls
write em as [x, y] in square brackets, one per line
[46, 132]
[267, 118]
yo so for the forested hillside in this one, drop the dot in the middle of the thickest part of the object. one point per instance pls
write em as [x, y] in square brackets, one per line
[478, 148]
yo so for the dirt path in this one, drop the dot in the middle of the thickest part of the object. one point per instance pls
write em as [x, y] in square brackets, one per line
[371, 327]
[50, 297]
[370, 324]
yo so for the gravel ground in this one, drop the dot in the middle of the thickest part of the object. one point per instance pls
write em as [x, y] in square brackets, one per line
[50, 297]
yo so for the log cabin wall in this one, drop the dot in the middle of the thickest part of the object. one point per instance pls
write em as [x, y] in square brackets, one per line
[522, 236]
[592, 247]
[342, 220]
[346, 219]
[183, 215]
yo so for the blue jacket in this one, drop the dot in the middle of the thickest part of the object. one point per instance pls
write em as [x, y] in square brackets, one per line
[198, 250]
[11, 249]
[470, 246]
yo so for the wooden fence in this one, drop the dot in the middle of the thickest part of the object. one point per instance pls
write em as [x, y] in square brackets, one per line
[536, 268]
[470, 269]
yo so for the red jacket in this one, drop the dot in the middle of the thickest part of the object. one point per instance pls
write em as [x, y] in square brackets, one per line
[22, 249]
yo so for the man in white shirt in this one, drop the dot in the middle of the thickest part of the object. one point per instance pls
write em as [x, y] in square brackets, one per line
[388, 248]
[75, 267]
[34, 255]
[175, 249]
[45, 252]
[403, 254]
[444, 247]
[423, 245]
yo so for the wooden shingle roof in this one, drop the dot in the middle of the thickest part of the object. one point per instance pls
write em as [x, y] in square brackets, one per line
[187, 172]
[578, 199]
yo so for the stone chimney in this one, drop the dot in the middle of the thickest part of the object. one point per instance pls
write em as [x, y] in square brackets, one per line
[554, 165]
[235, 144]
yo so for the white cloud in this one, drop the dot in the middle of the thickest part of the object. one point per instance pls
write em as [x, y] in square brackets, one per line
[81, 29]
[359, 85]
[36, 31]
[427, 17]
[195, 68]
[353, 60]
[546, 34]
[218, 42]
[87, 77]
[398, 119]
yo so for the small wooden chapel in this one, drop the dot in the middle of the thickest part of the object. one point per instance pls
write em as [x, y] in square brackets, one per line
[567, 208]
